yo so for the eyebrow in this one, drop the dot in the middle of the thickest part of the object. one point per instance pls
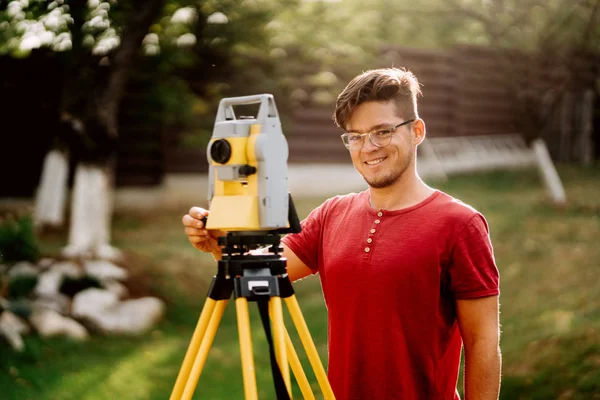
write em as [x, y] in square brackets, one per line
[375, 127]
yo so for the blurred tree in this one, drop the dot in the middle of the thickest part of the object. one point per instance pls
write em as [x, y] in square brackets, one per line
[99, 42]
[533, 34]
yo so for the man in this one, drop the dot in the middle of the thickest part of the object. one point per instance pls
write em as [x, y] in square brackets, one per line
[407, 271]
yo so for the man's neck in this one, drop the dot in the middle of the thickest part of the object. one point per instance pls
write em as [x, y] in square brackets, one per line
[406, 192]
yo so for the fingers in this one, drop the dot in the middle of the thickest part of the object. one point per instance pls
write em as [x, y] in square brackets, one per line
[192, 222]
[197, 234]
[190, 231]
[198, 212]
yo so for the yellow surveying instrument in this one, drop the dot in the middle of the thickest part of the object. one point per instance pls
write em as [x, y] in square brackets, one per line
[249, 200]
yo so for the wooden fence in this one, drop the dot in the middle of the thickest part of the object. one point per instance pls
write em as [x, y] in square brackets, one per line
[467, 91]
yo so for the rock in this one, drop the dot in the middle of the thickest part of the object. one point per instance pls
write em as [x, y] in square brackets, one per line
[117, 288]
[105, 270]
[45, 263]
[103, 310]
[49, 283]
[74, 251]
[13, 338]
[23, 268]
[15, 323]
[90, 302]
[110, 253]
[50, 323]
[68, 268]
[131, 317]
[57, 302]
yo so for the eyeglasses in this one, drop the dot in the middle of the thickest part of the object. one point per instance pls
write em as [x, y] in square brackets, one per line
[379, 137]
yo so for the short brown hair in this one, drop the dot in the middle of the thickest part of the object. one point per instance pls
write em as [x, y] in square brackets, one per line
[385, 84]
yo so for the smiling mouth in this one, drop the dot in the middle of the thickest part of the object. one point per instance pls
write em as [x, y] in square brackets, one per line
[376, 161]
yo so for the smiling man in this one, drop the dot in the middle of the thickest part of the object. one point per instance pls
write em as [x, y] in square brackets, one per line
[407, 271]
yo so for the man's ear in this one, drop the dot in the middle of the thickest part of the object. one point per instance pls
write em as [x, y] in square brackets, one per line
[418, 131]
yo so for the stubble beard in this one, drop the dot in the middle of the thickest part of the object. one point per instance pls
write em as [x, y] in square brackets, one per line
[392, 176]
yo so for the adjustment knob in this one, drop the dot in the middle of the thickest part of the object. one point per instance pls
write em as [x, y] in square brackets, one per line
[247, 170]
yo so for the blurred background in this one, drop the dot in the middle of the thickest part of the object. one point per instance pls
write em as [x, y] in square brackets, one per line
[106, 110]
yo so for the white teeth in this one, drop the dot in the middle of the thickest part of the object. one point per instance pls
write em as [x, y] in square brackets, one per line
[373, 162]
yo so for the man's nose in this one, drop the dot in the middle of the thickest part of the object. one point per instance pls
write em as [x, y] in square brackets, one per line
[368, 145]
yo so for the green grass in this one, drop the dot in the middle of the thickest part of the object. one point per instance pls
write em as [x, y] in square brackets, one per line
[549, 259]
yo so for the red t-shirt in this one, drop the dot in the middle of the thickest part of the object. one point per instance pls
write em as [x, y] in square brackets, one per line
[389, 281]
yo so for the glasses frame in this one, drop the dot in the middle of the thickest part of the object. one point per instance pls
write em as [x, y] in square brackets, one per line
[392, 130]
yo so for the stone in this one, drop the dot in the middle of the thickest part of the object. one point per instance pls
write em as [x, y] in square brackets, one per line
[45, 263]
[102, 309]
[117, 288]
[90, 302]
[49, 283]
[57, 302]
[49, 323]
[68, 268]
[13, 338]
[17, 324]
[131, 317]
[105, 270]
[109, 253]
[23, 268]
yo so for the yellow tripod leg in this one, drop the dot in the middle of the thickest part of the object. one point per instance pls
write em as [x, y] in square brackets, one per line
[213, 325]
[276, 312]
[192, 350]
[248, 373]
[305, 388]
[309, 346]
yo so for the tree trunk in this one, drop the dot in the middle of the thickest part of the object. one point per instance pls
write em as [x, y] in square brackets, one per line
[91, 210]
[51, 195]
[93, 191]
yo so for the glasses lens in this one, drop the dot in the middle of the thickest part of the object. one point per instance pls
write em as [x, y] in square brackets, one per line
[352, 141]
[381, 138]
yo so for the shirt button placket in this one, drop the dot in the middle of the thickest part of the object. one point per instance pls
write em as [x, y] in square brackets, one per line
[372, 231]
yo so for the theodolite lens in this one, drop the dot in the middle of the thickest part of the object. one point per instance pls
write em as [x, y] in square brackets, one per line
[220, 151]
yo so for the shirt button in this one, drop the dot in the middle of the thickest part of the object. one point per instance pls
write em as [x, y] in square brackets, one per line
[369, 240]
[379, 214]
[372, 230]
[367, 249]
[377, 221]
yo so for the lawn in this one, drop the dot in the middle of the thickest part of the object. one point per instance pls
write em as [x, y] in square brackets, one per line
[549, 259]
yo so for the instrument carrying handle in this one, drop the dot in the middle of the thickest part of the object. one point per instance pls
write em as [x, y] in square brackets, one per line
[267, 108]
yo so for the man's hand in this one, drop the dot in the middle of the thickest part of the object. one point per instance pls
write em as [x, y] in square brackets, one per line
[201, 238]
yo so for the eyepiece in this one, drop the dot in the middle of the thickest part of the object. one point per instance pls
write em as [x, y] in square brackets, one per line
[220, 151]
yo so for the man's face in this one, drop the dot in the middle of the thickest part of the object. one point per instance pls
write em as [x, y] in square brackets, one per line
[381, 166]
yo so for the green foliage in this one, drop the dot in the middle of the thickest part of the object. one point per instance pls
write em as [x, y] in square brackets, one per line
[18, 241]
[21, 286]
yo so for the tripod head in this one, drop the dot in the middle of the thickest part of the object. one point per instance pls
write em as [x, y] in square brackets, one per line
[248, 188]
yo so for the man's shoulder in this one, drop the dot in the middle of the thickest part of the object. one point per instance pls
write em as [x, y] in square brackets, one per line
[453, 208]
[345, 200]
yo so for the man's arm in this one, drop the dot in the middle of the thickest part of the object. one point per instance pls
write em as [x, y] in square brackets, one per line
[296, 269]
[478, 321]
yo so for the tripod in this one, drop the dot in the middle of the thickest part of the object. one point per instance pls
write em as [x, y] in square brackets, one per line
[263, 279]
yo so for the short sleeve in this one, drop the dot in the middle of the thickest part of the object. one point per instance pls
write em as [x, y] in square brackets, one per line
[473, 271]
[307, 244]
